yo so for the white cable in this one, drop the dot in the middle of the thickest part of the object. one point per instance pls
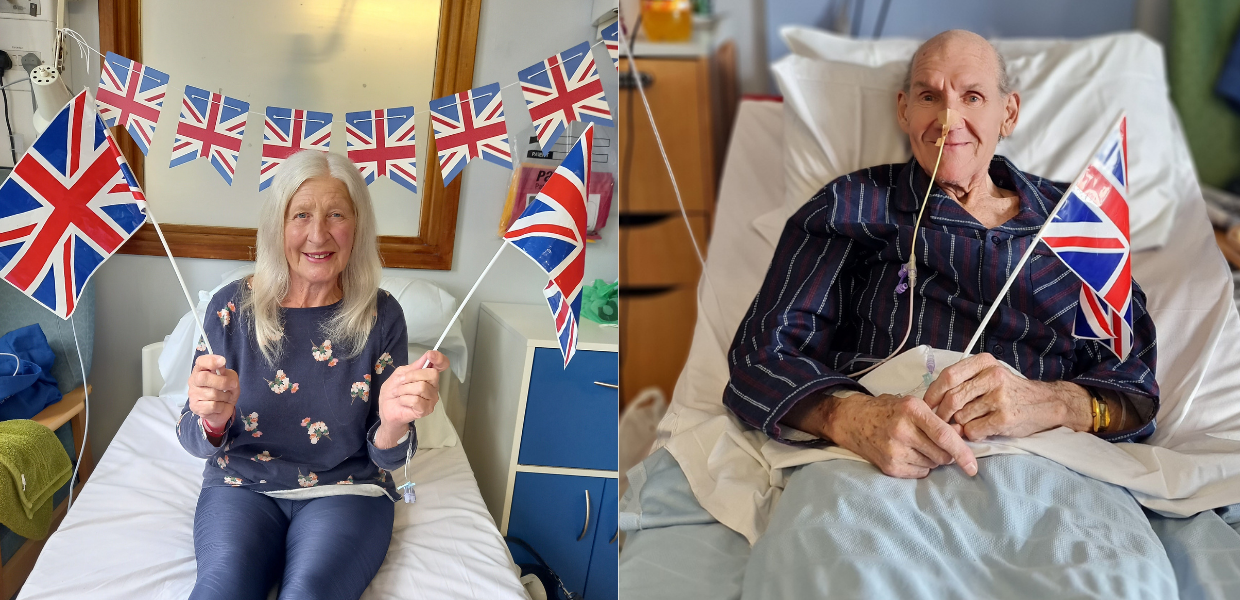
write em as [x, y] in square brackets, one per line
[86, 408]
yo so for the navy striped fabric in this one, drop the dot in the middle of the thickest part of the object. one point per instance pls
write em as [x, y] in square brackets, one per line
[829, 306]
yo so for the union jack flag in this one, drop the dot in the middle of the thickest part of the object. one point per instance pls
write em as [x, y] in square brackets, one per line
[132, 95]
[288, 131]
[552, 231]
[67, 206]
[469, 125]
[211, 125]
[562, 89]
[1089, 232]
[611, 40]
[382, 144]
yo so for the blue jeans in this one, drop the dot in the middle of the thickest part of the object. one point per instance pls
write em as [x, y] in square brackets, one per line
[326, 547]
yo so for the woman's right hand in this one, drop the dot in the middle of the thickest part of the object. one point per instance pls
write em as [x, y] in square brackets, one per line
[213, 390]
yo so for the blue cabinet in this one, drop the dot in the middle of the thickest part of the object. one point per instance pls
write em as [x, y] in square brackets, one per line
[601, 581]
[571, 413]
[541, 439]
[558, 515]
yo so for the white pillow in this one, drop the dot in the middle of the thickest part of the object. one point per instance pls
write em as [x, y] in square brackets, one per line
[839, 105]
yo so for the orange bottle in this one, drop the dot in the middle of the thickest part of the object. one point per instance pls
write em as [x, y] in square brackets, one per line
[667, 20]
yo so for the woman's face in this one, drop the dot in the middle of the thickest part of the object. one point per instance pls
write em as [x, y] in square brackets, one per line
[318, 232]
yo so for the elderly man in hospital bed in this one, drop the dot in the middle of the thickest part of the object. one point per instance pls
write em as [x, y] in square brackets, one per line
[918, 516]
[831, 302]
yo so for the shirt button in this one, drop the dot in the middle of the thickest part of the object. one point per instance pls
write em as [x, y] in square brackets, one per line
[997, 350]
[994, 238]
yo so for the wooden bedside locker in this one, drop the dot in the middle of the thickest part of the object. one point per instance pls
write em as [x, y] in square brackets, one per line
[542, 440]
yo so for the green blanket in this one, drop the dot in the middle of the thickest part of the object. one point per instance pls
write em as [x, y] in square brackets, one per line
[33, 465]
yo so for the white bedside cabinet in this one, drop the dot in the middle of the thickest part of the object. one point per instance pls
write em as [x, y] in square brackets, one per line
[541, 439]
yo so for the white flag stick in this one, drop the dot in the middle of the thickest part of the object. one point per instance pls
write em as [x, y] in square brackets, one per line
[192, 308]
[465, 301]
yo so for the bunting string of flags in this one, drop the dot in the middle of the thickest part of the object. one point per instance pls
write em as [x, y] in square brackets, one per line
[466, 125]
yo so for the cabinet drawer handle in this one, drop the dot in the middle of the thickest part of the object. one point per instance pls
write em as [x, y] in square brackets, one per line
[607, 385]
[614, 536]
[587, 525]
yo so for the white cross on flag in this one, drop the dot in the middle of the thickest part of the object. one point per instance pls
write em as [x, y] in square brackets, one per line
[68, 205]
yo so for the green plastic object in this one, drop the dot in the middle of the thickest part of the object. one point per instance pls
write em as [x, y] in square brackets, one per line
[600, 302]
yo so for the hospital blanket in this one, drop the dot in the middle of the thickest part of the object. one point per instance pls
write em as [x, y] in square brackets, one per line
[1025, 527]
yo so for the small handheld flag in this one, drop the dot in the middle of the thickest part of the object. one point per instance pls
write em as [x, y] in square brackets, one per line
[552, 232]
[68, 205]
[470, 125]
[1089, 233]
[131, 95]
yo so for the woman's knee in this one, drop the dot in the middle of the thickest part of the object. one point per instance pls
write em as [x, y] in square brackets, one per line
[238, 544]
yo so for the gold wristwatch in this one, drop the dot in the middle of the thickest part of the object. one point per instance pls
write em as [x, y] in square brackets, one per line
[1102, 416]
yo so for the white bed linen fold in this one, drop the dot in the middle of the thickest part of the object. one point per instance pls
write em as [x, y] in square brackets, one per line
[130, 534]
[1191, 464]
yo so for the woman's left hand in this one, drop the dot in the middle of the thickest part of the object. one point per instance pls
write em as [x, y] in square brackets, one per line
[410, 393]
[980, 398]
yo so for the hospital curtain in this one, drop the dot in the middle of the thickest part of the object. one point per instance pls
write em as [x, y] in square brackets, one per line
[1202, 34]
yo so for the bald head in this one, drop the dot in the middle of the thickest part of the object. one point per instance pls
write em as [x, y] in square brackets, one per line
[959, 42]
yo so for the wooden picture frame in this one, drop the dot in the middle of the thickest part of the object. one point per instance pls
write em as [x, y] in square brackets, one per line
[120, 31]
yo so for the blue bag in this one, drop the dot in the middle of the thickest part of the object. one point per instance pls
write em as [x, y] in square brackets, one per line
[25, 394]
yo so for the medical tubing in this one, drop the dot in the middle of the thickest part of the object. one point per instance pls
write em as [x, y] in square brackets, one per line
[192, 309]
[86, 410]
[461, 307]
[912, 265]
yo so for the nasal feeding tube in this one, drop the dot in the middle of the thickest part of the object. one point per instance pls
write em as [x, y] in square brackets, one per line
[947, 119]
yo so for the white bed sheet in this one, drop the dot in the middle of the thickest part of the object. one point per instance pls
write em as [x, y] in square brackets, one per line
[1182, 470]
[130, 534]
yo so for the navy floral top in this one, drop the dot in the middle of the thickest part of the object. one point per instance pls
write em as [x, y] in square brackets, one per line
[309, 421]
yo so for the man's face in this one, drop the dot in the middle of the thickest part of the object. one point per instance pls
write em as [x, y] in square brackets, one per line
[960, 74]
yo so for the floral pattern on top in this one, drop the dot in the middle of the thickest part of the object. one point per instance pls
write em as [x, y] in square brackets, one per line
[293, 390]
[222, 461]
[280, 384]
[317, 430]
[202, 345]
[307, 480]
[233, 481]
[348, 481]
[322, 352]
[361, 389]
[250, 421]
[225, 314]
[333, 362]
[264, 457]
[385, 361]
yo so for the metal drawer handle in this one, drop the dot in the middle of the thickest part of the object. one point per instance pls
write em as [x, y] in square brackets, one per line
[616, 535]
[607, 385]
[587, 525]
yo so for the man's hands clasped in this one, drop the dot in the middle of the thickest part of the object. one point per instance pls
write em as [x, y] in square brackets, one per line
[973, 399]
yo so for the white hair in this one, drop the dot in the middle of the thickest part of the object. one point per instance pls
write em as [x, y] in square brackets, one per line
[350, 325]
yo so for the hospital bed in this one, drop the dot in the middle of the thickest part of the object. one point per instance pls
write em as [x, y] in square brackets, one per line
[130, 534]
[711, 513]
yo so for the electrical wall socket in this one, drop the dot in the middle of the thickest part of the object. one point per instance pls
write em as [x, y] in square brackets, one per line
[25, 8]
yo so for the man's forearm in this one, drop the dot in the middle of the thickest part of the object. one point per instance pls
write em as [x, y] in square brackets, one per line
[811, 415]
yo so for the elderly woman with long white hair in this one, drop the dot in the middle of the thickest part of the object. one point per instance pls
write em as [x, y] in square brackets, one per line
[296, 486]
